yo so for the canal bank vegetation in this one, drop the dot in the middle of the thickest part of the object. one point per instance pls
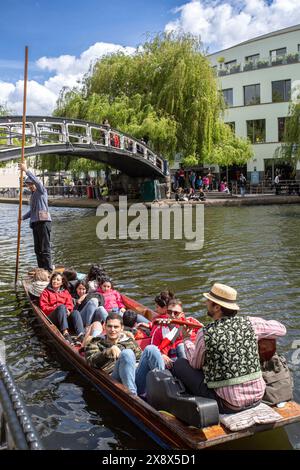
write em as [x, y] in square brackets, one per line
[290, 149]
[166, 93]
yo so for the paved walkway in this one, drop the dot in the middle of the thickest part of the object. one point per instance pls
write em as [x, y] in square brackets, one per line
[248, 200]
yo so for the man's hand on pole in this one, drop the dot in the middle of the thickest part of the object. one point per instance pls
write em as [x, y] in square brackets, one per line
[23, 167]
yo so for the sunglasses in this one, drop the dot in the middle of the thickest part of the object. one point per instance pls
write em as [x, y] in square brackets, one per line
[174, 312]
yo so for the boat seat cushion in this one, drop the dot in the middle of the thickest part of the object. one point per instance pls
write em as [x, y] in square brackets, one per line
[261, 414]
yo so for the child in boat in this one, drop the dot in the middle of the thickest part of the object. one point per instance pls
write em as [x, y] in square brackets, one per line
[40, 281]
[162, 301]
[161, 305]
[57, 304]
[90, 305]
[94, 278]
[113, 300]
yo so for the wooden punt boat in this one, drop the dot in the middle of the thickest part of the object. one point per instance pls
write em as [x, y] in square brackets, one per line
[165, 429]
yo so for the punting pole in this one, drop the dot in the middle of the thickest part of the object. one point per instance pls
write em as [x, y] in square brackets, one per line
[22, 161]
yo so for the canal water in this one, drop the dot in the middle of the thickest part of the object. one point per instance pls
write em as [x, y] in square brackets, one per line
[254, 249]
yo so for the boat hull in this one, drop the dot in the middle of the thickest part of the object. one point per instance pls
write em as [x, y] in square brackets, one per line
[165, 429]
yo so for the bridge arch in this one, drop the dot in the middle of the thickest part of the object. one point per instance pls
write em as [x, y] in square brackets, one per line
[63, 136]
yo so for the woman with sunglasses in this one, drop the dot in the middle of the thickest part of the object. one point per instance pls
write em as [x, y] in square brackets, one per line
[168, 338]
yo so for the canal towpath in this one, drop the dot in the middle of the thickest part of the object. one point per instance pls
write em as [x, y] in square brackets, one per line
[247, 200]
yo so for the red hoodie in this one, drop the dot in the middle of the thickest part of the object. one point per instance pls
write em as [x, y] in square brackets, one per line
[51, 299]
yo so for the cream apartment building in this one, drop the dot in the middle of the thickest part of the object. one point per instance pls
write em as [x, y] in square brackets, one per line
[258, 78]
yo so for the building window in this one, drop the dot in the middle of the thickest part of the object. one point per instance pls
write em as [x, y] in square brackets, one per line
[230, 63]
[231, 125]
[251, 94]
[228, 96]
[278, 53]
[281, 128]
[256, 131]
[252, 58]
[281, 91]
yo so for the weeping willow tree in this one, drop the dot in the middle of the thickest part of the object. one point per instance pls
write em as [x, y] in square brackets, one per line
[58, 163]
[229, 149]
[3, 112]
[289, 150]
[166, 93]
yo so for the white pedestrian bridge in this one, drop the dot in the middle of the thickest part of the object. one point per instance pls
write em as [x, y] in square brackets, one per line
[63, 136]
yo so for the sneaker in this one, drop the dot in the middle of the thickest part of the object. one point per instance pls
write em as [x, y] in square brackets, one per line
[69, 339]
[77, 341]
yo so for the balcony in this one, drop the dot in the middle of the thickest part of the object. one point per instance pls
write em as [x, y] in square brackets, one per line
[259, 64]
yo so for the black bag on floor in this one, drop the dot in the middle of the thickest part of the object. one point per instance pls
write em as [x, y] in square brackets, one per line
[167, 393]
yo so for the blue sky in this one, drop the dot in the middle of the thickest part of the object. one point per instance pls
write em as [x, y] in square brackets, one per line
[53, 27]
[65, 36]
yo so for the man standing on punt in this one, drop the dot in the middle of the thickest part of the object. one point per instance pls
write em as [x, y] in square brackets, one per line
[40, 220]
[223, 364]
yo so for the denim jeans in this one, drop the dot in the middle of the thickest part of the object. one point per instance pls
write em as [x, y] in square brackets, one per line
[91, 312]
[63, 321]
[135, 379]
[124, 370]
[150, 359]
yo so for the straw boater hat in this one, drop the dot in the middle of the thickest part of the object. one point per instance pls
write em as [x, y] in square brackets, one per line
[223, 295]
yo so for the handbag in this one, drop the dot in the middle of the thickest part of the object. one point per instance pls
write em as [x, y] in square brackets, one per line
[278, 379]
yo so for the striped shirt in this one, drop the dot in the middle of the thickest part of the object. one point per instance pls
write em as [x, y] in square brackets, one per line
[241, 395]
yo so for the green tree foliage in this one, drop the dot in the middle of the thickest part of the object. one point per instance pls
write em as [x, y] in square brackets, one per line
[189, 161]
[229, 149]
[165, 92]
[3, 112]
[290, 148]
[57, 163]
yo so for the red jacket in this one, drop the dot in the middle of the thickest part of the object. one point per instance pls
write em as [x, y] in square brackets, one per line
[50, 300]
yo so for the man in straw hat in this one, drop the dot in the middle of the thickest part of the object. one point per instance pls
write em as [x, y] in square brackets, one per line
[223, 363]
[40, 220]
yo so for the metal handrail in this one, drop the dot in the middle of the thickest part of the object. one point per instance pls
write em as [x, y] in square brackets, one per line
[268, 186]
[40, 128]
[16, 429]
[262, 62]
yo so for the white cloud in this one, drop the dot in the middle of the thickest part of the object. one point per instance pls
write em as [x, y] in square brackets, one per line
[67, 71]
[222, 24]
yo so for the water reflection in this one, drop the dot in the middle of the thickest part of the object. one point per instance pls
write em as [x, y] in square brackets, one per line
[255, 249]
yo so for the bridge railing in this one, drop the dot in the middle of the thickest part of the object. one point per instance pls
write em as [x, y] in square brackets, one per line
[41, 132]
[94, 191]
